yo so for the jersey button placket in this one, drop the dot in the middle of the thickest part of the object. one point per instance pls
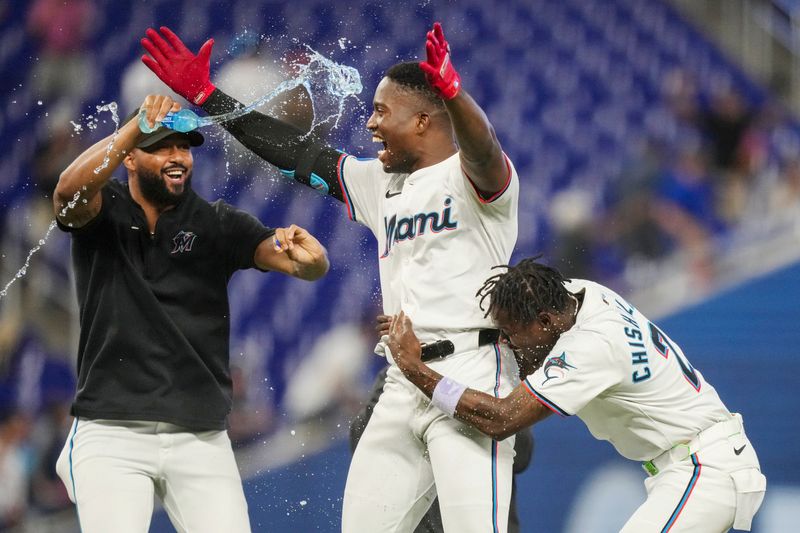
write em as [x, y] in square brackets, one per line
[406, 281]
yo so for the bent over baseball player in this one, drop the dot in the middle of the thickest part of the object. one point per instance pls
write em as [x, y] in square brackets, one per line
[152, 262]
[588, 352]
[441, 199]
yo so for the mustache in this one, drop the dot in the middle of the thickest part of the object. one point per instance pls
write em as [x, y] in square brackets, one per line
[154, 188]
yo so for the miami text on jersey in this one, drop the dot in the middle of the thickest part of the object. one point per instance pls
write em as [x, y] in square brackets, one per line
[408, 228]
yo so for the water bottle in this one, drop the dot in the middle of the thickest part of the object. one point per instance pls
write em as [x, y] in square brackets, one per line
[144, 126]
[184, 121]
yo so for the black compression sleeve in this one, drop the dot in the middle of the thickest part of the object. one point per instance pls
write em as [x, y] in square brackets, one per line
[281, 144]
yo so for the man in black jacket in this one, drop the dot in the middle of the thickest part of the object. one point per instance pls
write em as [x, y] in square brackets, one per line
[152, 261]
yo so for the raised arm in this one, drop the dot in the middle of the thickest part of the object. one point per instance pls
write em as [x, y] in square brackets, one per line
[89, 172]
[479, 150]
[295, 153]
[496, 417]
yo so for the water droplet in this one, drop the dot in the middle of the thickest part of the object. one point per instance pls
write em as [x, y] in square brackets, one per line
[24, 270]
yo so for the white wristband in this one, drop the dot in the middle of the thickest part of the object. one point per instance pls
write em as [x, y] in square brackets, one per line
[446, 395]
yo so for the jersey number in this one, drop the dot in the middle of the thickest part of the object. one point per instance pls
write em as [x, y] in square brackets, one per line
[664, 346]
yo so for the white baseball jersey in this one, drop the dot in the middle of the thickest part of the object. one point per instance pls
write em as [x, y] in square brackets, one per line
[627, 381]
[437, 243]
[437, 239]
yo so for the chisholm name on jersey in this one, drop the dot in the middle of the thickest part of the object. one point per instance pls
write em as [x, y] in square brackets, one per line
[408, 228]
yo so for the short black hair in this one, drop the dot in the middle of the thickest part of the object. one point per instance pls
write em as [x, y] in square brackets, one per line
[524, 290]
[409, 76]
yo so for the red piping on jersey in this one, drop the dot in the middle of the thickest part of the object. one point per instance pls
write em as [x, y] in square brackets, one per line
[496, 195]
[544, 401]
[345, 195]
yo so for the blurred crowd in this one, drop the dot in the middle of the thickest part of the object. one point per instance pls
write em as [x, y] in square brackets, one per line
[36, 368]
[730, 162]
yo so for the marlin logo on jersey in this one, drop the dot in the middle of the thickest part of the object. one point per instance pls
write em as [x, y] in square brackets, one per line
[409, 228]
[183, 242]
[556, 367]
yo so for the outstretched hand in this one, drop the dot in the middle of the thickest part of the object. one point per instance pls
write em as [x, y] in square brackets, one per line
[403, 342]
[439, 69]
[184, 72]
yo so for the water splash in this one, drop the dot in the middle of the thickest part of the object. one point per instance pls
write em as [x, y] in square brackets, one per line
[319, 75]
[24, 270]
[112, 107]
[332, 80]
[92, 124]
[71, 204]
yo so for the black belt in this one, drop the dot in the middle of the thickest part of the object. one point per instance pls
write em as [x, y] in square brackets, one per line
[443, 348]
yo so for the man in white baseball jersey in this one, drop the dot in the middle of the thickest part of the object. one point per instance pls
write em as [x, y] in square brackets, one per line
[442, 201]
[586, 351]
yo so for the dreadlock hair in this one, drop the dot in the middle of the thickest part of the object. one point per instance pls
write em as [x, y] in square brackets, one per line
[412, 79]
[524, 291]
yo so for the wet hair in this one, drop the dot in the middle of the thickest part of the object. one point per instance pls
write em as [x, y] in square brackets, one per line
[524, 290]
[411, 78]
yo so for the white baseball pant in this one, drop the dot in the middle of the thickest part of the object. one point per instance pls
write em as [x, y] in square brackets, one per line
[410, 451]
[716, 487]
[113, 469]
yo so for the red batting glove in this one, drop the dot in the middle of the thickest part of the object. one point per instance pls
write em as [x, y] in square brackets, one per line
[439, 70]
[183, 72]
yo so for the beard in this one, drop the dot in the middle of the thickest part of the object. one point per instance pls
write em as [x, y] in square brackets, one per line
[155, 191]
[529, 360]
